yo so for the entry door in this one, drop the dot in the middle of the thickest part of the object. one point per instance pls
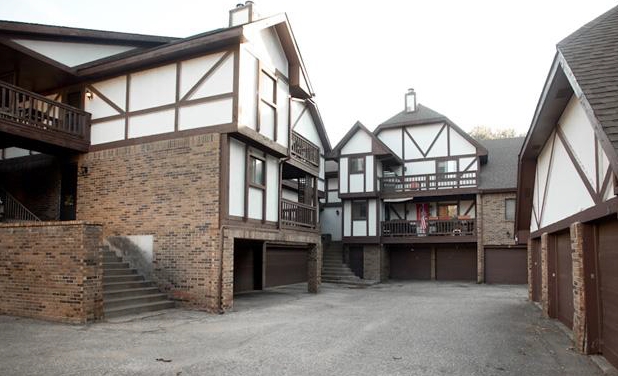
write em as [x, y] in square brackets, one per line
[608, 270]
[68, 192]
[564, 279]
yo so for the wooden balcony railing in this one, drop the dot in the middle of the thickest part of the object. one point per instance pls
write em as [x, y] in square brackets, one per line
[42, 114]
[426, 182]
[304, 150]
[440, 227]
[297, 215]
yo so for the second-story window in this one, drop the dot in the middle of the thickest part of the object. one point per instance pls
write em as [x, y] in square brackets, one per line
[256, 171]
[357, 165]
[443, 167]
[359, 210]
[267, 122]
[509, 209]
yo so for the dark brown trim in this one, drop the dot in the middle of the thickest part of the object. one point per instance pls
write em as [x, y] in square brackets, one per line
[452, 157]
[177, 96]
[347, 196]
[578, 168]
[206, 75]
[596, 165]
[405, 131]
[223, 128]
[472, 205]
[224, 177]
[126, 106]
[430, 193]
[435, 139]
[607, 208]
[360, 239]
[470, 165]
[105, 99]
[549, 167]
[606, 180]
[242, 222]
[499, 190]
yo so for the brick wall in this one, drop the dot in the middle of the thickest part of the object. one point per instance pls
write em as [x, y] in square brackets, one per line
[495, 226]
[168, 189]
[51, 270]
[579, 296]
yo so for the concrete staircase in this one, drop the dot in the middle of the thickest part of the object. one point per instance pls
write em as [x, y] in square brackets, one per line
[334, 270]
[126, 292]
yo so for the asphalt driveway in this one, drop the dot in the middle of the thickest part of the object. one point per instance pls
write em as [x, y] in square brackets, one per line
[408, 328]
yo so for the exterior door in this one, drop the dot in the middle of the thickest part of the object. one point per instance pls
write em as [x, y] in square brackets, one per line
[536, 270]
[506, 265]
[608, 278]
[564, 279]
[407, 264]
[456, 264]
[285, 266]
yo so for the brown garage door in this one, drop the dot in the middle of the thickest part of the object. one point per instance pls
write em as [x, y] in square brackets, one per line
[456, 264]
[407, 264]
[536, 270]
[563, 289]
[285, 266]
[608, 269]
[506, 265]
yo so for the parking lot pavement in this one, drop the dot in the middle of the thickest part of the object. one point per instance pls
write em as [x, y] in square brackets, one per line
[396, 328]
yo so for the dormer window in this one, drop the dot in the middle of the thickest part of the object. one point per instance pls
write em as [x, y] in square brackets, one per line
[410, 101]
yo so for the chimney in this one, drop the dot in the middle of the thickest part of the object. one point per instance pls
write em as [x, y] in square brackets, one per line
[410, 100]
[243, 14]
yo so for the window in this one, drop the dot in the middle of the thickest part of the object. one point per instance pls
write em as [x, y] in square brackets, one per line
[359, 210]
[446, 166]
[267, 124]
[357, 165]
[509, 209]
[256, 171]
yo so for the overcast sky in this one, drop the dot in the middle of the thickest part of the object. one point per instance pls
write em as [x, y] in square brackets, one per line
[477, 62]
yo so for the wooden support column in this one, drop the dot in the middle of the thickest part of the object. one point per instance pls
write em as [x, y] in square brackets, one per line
[433, 263]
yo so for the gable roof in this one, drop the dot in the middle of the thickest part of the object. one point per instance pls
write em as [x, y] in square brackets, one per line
[500, 171]
[21, 29]
[378, 147]
[591, 54]
[422, 115]
[425, 115]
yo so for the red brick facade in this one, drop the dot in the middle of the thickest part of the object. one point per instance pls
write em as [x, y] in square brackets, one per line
[51, 271]
[169, 189]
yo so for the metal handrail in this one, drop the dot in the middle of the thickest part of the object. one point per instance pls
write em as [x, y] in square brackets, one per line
[13, 209]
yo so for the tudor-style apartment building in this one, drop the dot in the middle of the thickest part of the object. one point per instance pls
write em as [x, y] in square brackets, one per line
[418, 198]
[173, 152]
[567, 204]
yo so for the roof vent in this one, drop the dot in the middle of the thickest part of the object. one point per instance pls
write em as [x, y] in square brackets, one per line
[410, 100]
[243, 14]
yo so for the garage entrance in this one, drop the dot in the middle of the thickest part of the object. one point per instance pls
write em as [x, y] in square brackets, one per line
[506, 265]
[608, 286]
[561, 274]
[409, 262]
[456, 264]
[247, 265]
[285, 264]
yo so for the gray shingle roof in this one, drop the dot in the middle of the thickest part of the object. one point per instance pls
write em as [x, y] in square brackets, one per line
[421, 115]
[592, 55]
[500, 172]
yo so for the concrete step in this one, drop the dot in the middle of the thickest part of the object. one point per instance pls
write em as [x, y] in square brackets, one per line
[138, 308]
[340, 271]
[122, 278]
[108, 259]
[123, 271]
[138, 291]
[115, 265]
[111, 286]
[133, 300]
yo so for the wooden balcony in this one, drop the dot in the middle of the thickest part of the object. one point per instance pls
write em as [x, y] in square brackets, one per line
[434, 183]
[29, 119]
[304, 154]
[434, 230]
[298, 216]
